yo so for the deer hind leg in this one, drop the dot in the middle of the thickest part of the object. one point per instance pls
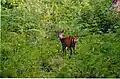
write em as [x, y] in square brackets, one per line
[74, 49]
[70, 52]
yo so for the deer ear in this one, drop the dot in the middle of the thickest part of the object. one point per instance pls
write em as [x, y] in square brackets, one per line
[62, 31]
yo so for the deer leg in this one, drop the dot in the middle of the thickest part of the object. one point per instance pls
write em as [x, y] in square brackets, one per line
[70, 52]
[74, 49]
[63, 48]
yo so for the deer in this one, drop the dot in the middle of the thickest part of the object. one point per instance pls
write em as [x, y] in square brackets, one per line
[67, 42]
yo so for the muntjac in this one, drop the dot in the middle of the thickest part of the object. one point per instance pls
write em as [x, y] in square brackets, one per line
[67, 41]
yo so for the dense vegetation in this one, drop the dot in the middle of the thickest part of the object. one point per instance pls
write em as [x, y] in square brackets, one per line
[30, 47]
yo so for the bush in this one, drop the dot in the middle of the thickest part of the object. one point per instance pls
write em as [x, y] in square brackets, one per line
[30, 46]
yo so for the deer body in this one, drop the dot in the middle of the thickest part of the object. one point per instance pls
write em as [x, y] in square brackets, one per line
[67, 41]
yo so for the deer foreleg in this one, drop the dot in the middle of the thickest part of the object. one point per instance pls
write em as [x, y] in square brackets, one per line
[63, 48]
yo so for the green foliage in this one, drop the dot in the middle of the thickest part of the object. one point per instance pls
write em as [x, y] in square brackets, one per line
[30, 47]
[9, 4]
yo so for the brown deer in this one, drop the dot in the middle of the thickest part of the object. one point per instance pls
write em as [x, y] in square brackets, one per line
[67, 41]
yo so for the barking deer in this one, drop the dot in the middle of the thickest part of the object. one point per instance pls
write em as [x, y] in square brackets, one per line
[67, 41]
